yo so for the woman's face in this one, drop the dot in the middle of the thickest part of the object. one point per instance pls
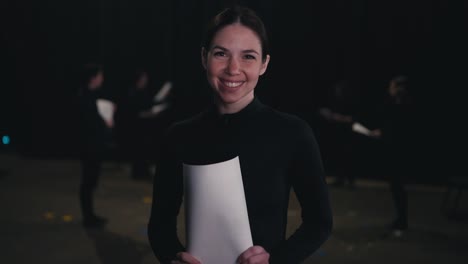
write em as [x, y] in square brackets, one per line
[233, 66]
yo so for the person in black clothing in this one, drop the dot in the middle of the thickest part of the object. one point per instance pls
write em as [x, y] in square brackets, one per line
[140, 100]
[395, 133]
[95, 141]
[338, 117]
[146, 111]
[277, 151]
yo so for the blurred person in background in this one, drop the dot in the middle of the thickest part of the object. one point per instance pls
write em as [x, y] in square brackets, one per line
[96, 139]
[395, 131]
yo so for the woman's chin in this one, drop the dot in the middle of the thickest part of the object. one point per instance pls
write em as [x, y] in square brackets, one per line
[229, 98]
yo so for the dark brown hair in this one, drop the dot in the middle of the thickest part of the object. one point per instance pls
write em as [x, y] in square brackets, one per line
[237, 14]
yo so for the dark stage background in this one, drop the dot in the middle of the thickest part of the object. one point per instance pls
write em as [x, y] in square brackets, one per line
[314, 44]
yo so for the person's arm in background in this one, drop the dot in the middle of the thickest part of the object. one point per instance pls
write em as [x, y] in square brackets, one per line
[167, 200]
[309, 185]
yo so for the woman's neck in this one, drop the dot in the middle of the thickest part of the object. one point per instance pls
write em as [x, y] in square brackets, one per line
[232, 108]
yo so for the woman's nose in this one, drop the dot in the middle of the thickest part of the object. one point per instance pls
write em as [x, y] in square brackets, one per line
[233, 66]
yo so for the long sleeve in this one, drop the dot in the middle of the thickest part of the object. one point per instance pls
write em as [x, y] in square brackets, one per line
[308, 182]
[167, 200]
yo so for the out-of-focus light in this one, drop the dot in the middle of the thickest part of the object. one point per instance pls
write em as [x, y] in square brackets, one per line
[6, 140]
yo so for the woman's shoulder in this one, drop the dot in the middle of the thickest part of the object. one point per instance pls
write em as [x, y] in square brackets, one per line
[284, 117]
[286, 122]
[185, 125]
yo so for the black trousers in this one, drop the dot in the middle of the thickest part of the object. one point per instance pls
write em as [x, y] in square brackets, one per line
[90, 172]
[400, 200]
[398, 168]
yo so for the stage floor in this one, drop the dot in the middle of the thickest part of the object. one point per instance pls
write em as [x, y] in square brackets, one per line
[40, 221]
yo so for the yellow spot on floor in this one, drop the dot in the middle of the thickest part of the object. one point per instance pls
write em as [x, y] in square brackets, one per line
[67, 218]
[147, 199]
[49, 215]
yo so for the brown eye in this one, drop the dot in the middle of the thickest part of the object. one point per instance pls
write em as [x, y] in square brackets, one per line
[249, 57]
[219, 54]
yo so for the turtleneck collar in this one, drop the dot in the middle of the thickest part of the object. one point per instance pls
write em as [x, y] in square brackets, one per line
[246, 111]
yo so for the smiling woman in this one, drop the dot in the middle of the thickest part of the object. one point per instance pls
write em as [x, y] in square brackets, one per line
[276, 151]
[233, 64]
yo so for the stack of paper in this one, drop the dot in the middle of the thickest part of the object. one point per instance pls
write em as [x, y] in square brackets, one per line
[106, 109]
[217, 223]
[163, 92]
[359, 128]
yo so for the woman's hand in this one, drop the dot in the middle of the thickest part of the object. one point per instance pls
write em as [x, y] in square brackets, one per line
[254, 255]
[185, 258]
[377, 133]
[109, 123]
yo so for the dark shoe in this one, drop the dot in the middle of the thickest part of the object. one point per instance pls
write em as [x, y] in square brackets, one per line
[351, 186]
[141, 174]
[394, 233]
[95, 222]
[337, 183]
[140, 177]
[398, 232]
[398, 228]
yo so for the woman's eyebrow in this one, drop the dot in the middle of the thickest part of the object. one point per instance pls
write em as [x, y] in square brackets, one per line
[250, 51]
[219, 47]
[244, 51]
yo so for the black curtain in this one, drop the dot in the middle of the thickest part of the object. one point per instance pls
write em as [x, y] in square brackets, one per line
[314, 44]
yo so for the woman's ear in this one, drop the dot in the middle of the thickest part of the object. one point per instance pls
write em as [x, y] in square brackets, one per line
[203, 57]
[265, 65]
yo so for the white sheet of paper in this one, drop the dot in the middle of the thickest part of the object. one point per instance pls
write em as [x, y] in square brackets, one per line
[154, 111]
[105, 109]
[163, 92]
[217, 223]
[359, 128]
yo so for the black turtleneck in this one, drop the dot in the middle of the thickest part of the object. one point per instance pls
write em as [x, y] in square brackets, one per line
[276, 150]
